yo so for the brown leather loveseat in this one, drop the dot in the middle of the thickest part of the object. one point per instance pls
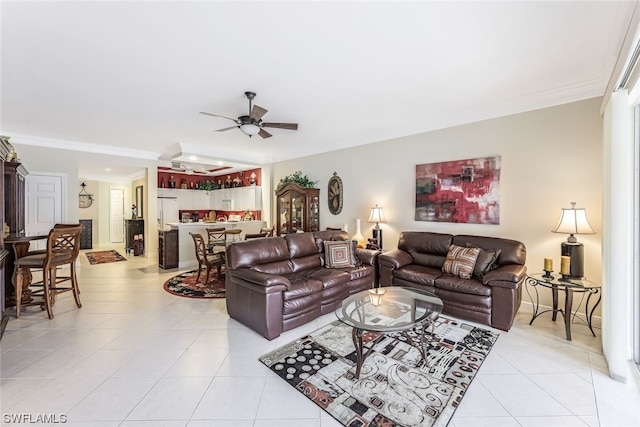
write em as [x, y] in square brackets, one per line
[491, 296]
[275, 284]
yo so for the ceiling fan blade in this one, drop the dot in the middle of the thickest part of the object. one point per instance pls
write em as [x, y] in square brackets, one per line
[290, 126]
[229, 128]
[257, 112]
[263, 133]
[218, 115]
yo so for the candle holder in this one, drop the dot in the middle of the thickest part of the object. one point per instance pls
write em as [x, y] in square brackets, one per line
[547, 274]
[565, 277]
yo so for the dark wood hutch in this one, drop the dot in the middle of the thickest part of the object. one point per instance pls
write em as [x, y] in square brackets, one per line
[5, 149]
[298, 209]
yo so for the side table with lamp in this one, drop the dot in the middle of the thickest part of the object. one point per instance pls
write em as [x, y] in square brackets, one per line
[571, 279]
[569, 286]
[377, 216]
[573, 221]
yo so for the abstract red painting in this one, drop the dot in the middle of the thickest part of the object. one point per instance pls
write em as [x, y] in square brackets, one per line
[464, 191]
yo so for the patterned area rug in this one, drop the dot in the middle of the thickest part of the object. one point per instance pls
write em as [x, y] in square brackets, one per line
[396, 387]
[101, 257]
[185, 285]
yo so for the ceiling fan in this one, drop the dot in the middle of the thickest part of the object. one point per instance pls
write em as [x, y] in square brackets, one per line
[253, 124]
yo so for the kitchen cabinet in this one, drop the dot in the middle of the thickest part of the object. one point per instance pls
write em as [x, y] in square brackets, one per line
[298, 209]
[224, 199]
[185, 199]
[168, 252]
[201, 200]
[247, 198]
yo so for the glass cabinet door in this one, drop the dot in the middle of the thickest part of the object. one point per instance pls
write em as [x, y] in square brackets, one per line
[297, 212]
[284, 214]
[297, 209]
[314, 213]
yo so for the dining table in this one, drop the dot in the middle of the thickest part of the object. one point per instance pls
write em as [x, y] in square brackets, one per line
[17, 246]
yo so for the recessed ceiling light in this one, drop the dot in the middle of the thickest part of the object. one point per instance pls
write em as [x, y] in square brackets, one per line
[193, 157]
[107, 169]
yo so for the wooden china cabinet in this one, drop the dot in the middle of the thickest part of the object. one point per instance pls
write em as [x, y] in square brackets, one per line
[14, 196]
[298, 209]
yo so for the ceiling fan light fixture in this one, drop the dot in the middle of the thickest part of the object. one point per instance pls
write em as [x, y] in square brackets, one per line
[249, 129]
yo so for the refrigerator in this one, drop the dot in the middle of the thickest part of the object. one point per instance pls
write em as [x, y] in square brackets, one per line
[167, 212]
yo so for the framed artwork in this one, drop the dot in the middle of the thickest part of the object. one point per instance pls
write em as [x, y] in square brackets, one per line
[464, 191]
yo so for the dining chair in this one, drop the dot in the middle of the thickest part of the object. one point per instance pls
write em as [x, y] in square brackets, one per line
[270, 231]
[63, 247]
[216, 239]
[205, 258]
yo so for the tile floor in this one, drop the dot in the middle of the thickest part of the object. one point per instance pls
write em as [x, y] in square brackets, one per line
[135, 355]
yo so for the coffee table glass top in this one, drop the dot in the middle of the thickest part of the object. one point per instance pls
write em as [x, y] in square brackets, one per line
[397, 309]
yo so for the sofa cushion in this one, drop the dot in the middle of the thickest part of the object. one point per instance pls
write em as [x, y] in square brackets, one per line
[463, 286]
[428, 249]
[485, 263]
[338, 254]
[301, 287]
[329, 277]
[460, 261]
[418, 274]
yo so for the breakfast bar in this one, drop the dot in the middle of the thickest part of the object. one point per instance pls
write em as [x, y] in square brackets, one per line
[187, 255]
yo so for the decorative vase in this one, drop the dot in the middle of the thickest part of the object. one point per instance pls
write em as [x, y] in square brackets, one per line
[358, 235]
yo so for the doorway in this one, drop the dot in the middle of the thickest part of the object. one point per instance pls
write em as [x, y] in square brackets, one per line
[44, 204]
[116, 215]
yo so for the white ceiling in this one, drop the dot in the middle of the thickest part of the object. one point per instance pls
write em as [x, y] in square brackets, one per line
[129, 78]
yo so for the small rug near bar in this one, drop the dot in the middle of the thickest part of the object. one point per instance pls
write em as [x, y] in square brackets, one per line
[185, 285]
[396, 386]
[102, 257]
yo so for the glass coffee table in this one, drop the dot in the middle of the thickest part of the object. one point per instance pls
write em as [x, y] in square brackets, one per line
[388, 309]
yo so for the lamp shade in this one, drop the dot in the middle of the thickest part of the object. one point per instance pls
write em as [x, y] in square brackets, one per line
[573, 221]
[376, 215]
[249, 129]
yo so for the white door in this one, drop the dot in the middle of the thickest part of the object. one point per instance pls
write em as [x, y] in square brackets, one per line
[116, 216]
[43, 205]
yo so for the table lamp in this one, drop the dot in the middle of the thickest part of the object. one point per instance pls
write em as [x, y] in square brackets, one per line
[573, 221]
[377, 216]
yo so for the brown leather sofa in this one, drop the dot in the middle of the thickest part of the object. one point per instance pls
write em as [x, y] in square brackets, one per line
[276, 284]
[491, 296]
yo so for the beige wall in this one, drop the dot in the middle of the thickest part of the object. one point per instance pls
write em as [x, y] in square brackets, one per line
[550, 157]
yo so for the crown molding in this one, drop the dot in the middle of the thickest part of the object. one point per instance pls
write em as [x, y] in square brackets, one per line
[81, 146]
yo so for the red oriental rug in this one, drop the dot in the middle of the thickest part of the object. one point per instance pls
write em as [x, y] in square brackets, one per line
[101, 257]
[185, 285]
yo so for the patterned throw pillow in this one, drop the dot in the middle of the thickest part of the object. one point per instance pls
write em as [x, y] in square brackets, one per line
[338, 254]
[460, 261]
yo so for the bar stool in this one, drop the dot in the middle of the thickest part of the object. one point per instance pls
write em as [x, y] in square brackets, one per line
[63, 247]
[232, 235]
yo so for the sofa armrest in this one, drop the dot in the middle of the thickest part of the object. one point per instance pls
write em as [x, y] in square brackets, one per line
[258, 278]
[395, 259]
[506, 276]
[367, 256]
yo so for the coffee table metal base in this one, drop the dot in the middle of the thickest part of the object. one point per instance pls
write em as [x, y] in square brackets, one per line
[357, 334]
